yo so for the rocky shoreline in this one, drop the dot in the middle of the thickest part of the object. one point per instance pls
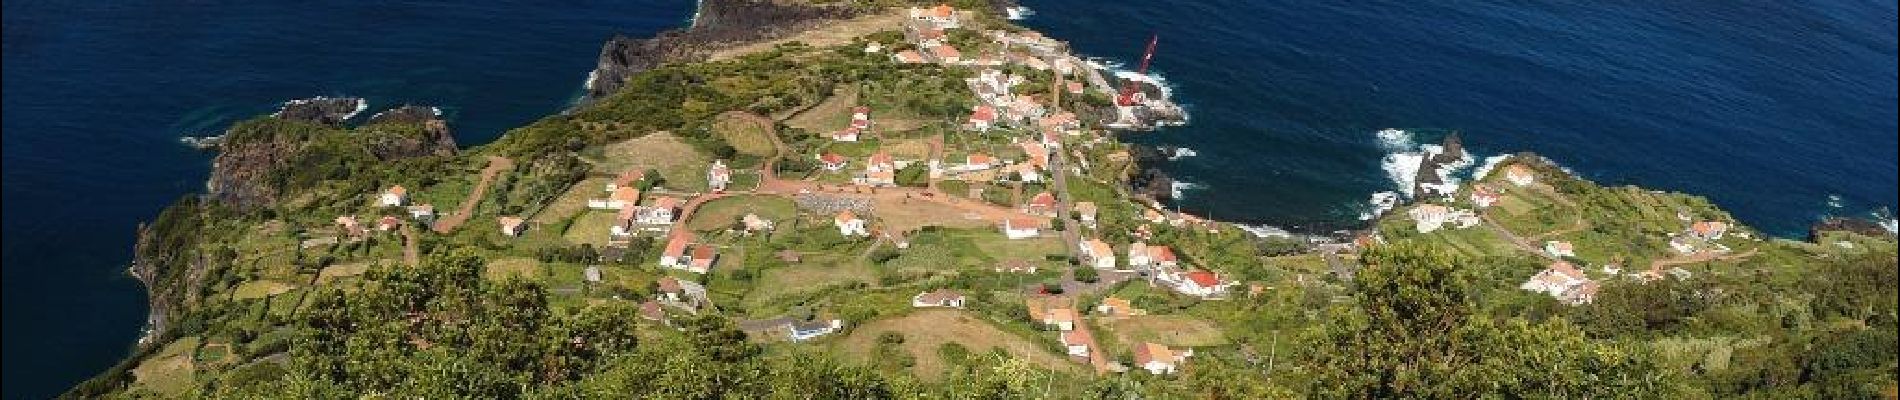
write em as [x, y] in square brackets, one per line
[716, 24]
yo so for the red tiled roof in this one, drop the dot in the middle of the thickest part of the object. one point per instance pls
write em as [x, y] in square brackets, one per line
[983, 113]
[668, 284]
[667, 202]
[945, 51]
[1044, 199]
[1204, 278]
[831, 158]
[1161, 253]
[398, 190]
[676, 243]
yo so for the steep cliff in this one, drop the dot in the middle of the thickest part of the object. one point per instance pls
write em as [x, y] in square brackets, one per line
[717, 24]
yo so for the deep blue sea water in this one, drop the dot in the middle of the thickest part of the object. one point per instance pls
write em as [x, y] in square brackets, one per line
[1767, 107]
[96, 94]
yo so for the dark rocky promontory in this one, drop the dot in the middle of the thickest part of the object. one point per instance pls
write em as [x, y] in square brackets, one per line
[719, 23]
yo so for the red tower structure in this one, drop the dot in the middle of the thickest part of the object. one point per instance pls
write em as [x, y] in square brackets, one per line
[1127, 96]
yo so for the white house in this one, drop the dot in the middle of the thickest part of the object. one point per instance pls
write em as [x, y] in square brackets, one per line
[1198, 283]
[982, 117]
[1558, 248]
[1078, 343]
[394, 196]
[1563, 281]
[1429, 217]
[1043, 204]
[807, 330]
[1086, 210]
[848, 134]
[422, 212]
[1020, 228]
[850, 225]
[833, 162]
[1098, 254]
[1483, 197]
[755, 223]
[718, 176]
[622, 197]
[1144, 255]
[674, 255]
[1159, 359]
[937, 298]
[1708, 230]
[941, 17]
[623, 222]
[660, 213]
[512, 225]
[1519, 175]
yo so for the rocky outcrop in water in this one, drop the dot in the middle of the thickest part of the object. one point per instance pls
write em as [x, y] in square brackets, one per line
[1148, 180]
[718, 23]
[1844, 224]
[322, 110]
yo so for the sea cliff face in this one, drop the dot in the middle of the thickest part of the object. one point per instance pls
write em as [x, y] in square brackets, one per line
[718, 23]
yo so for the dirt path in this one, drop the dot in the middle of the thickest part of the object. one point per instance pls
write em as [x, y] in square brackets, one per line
[1521, 243]
[410, 254]
[496, 164]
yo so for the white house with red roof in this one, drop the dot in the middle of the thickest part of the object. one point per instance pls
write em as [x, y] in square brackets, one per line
[1708, 230]
[1198, 282]
[674, 254]
[833, 161]
[1563, 281]
[1021, 228]
[1159, 359]
[1086, 210]
[975, 162]
[1145, 255]
[1483, 196]
[700, 259]
[982, 117]
[718, 176]
[1098, 254]
[622, 197]
[624, 221]
[946, 54]
[1043, 204]
[879, 170]
[394, 196]
[387, 223]
[943, 16]
[662, 212]
[1077, 343]
[849, 224]
[937, 298]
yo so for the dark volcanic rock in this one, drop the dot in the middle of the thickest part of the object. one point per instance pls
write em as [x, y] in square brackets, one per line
[719, 23]
[1454, 150]
[244, 174]
[1843, 224]
[1148, 180]
[322, 110]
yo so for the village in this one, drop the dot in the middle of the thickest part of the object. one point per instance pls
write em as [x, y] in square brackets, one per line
[876, 222]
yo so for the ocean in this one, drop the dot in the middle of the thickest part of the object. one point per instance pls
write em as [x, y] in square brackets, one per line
[97, 93]
[1780, 112]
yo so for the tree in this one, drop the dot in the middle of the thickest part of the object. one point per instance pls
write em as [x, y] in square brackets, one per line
[1412, 333]
[1087, 275]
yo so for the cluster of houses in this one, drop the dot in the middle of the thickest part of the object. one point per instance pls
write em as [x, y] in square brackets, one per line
[928, 29]
[395, 196]
[1161, 264]
[682, 253]
[860, 125]
[1562, 280]
[1057, 313]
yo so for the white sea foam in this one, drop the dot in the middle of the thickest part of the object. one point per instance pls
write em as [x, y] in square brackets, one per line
[1018, 13]
[361, 105]
[1265, 231]
[1180, 152]
[1490, 163]
[1395, 139]
[1380, 203]
[1834, 201]
[1178, 188]
[1402, 169]
[1892, 225]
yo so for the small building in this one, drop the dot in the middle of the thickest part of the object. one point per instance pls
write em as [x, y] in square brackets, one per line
[1708, 230]
[718, 176]
[394, 196]
[1563, 281]
[1062, 318]
[1077, 343]
[1519, 175]
[1429, 217]
[624, 221]
[1021, 228]
[701, 259]
[1098, 254]
[1198, 283]
[683, 293]
[978, 162]
[591, 274]
[512, 225]
[1159, 359]
[424, 213]
[848, 134]
[662, 212]
[1043, 204]
[982, 117]
[674, 254]
[808, 330]
[387, 223]
[1483, 197]
[941, 17]
[833, 162]
[1085, 210]
[651, 311]
[849, 224]
[620, 198]
[1016, 266]
[937, 298]
[1560, 249]
[630, 178]
[946, 54]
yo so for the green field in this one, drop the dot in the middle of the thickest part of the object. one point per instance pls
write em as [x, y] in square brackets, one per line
[725, 212]
[744, 134]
